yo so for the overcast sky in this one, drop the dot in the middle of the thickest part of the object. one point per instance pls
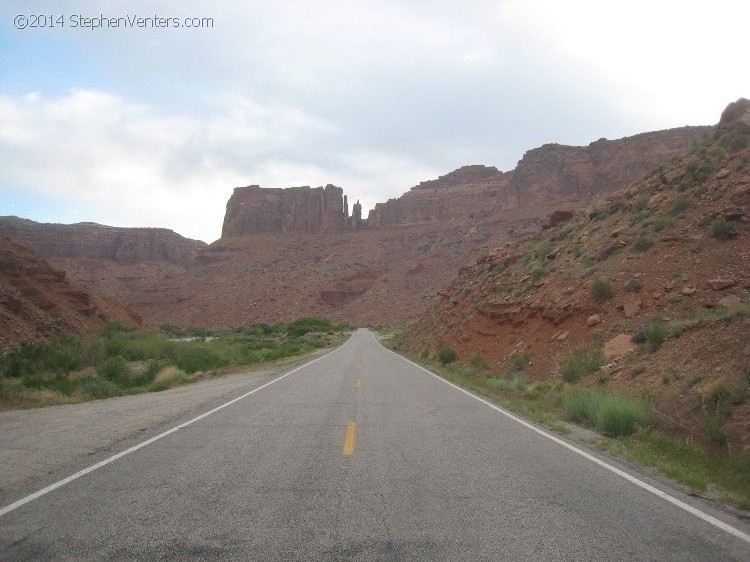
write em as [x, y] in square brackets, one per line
[155, 126]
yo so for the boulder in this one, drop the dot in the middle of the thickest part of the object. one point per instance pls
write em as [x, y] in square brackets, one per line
[593, 320]
[618, 346]
[719, 283]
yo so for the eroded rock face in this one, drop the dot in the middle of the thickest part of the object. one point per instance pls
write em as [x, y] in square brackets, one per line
[95, 241]
[556, 172]
[735, 119]
[37, 300]
[545, 177]
[469, 190]
[254, 209]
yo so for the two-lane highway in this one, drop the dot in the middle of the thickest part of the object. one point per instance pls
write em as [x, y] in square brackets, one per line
[360, 455]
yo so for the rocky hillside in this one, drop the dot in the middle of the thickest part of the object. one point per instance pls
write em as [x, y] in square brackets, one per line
[123, 264]
[545, 177]
[657, 272]
[37, 301]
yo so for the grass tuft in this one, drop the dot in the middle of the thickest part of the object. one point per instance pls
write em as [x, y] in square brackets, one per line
[579, 362]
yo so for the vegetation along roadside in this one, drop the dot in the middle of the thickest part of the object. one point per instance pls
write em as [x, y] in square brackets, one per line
[120, 360]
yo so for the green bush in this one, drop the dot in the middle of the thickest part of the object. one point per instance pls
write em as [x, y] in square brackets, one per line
[537, 273]
[655, 336]
[612, 414]
[723, 230]
[447, 355]
[601, 290]
[618, 416]
[680, 205]
[579, 362]
[480, 362]
[642, 243]
[641, 202]
[633, 285]
[660, 223]
[580, 405]
[516, 382]
[115, 369]
[518, 361]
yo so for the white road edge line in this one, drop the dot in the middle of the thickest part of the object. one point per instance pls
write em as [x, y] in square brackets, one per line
[640, 483]
[31, 497]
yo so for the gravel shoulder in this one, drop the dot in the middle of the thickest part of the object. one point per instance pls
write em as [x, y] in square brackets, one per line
[38, 442]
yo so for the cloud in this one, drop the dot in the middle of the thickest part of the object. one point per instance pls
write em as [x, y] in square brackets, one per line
[126, 165]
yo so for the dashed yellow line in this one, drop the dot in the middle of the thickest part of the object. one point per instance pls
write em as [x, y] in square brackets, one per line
[351, 430]
[358, 383]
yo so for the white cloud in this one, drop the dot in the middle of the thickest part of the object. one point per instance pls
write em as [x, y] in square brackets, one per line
[128, 166]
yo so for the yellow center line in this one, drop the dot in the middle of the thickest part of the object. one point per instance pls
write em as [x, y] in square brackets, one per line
[357, 383]
[351, 429]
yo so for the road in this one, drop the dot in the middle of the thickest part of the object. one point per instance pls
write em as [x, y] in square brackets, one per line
[359, 455]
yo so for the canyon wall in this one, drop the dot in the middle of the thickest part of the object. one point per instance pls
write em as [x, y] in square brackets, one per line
[95, 241]
[37, 300]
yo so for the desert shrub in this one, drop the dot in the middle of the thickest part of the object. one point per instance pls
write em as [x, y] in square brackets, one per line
[480, 362]
[518, 361]
[197, 356]
[447, 355]
[612, 414]
[680, 205]
[733, 141]
[537, 273]
[115, 369]
[642, 243]
[655, 336]
[641, 202]
[660, 223]
[309, 324]
[601, 290]
[98, 387]
[515, 382]
[619, 416]
[544, 250]
[723, 230]
[579, 362]
[633, 285]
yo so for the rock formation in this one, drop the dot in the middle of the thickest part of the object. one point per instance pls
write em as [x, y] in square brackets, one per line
[555, 172]
[545, 177]
[38, 301]
[95, 241]
[255, 209]
[467, 190]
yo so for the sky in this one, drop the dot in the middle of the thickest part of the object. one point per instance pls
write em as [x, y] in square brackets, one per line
[109, 118]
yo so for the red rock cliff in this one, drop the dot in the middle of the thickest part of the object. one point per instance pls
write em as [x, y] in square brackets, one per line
[555, 172]
[464, 191]
[38, 301]
[254, 209]
[95, 241]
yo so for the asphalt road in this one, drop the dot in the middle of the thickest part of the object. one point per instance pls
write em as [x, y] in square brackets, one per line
[359, 455]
